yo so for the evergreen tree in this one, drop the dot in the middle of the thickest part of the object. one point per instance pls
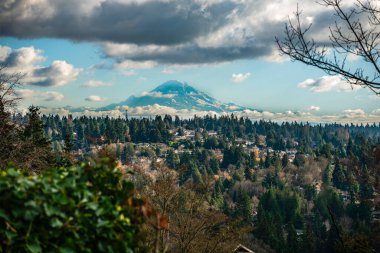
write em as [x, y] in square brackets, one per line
[292, 240]
[37, 149]
[339, 177]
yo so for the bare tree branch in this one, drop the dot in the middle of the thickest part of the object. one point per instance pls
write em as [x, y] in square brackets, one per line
[356, 32]
[8, 86]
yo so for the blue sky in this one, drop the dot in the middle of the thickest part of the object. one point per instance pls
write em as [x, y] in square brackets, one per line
[216, 49]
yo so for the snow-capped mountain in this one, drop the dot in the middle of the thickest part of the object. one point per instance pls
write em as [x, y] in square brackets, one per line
[179, 96]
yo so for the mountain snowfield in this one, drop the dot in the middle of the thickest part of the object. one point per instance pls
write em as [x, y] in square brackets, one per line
[179, 96]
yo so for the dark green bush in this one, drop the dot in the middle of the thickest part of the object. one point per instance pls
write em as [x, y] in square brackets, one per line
[77, 209]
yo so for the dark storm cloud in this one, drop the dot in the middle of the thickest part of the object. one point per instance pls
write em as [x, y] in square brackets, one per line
[194, 54]
[163, 31]
[151, 22]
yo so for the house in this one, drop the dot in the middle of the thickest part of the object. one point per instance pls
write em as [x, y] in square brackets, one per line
[318, 186]
[242, 249]
[345, 195]
[212, 133]
[299, 232]
[255, 151]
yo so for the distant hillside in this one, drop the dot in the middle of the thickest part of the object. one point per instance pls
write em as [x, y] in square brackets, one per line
[179, 96]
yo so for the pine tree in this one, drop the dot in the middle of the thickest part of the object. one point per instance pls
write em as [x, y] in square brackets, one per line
[339, 177]
[36, 147]
[292, 240]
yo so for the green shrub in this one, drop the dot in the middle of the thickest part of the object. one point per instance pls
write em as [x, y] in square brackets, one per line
[77, 209]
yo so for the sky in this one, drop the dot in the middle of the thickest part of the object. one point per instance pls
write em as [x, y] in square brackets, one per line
[92, 53]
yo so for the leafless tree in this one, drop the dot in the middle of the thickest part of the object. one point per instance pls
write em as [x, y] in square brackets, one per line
[9, 144]
[8, 85]
[192, 224]
[356, 32]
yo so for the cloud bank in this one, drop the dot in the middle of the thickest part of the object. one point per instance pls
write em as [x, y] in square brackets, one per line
[165, 31]
[348, 116]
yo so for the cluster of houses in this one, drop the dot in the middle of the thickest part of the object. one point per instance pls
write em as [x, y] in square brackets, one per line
[249, 146]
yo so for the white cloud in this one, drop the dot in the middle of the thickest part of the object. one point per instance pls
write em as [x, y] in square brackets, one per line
[38, 95]
[353, 57]
[376, 112]
[52, 96]
[275, 56]
[240, 77]
[314, 108]
[94, 98]
[26, 61]
[157, 95]
[352, 113]
[151, 110]
[4, 52]
[328, 83]
[96, 84]
[128, 65]
[24, 57]
[58, 74]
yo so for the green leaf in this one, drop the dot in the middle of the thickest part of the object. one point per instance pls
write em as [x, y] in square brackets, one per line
[10, 235]
[12, 172]
[61, 199]
[4, 215]
[34, 246]
[56, 223]
[93, 205]
[51, 210]
[66, 250]
[99, 211]
[103, 223]
[31, 203]
[30, 214]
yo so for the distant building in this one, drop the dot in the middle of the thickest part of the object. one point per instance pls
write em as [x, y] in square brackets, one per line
[345, 195]
[212, 133]
[299, 232]
[318, 187]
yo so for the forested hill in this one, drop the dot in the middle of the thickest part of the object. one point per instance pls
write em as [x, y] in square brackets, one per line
[289, 187]
[85, 131]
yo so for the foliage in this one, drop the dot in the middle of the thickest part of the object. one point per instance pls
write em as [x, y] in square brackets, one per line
[220, 186]
[194, 226]
[25, 144]
[278, 207]
[78, 209]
